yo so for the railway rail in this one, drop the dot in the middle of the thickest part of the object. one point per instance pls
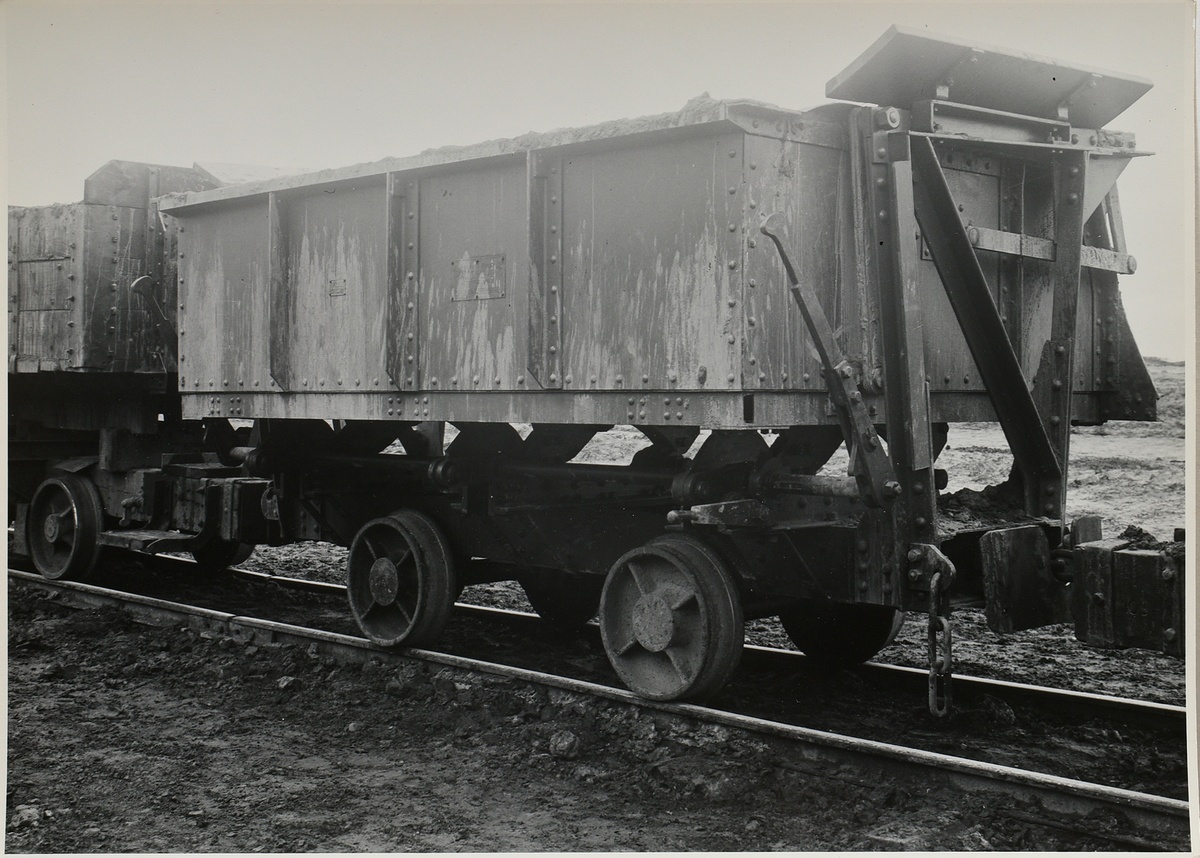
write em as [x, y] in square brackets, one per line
[1143, 712]
[1065, 802]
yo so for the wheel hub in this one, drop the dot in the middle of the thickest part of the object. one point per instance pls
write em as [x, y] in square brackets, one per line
[50, 528]
[385, 581]
[654, 623]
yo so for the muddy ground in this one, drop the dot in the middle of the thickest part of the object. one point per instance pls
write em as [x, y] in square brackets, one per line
[127, 738]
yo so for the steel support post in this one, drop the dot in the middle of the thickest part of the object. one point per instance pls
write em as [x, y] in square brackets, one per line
[283, 297]
[403, 277]
[1055, 379]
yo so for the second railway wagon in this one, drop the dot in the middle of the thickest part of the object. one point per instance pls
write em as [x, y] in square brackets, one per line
[751, 288]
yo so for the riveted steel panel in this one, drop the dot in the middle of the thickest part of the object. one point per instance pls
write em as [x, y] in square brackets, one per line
[650, 265]
[808, 185]
[473, 277]
[336, 236]
[629, 264]
[118, 328]
[403, 230]
[224, 300]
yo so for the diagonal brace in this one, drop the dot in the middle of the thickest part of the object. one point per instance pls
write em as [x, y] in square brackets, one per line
[965, 284]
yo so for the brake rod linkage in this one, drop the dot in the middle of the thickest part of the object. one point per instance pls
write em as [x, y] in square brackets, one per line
[869, 464]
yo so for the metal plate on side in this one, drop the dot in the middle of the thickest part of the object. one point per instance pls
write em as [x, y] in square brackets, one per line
[478, 278]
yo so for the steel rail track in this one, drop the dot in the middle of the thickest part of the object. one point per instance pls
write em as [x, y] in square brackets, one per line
[1058, 796]
[1142, 712]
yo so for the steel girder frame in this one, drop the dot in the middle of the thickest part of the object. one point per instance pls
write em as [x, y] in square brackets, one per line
[1036, 423]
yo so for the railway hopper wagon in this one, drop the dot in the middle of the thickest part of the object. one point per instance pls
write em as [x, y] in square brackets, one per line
[789, 309]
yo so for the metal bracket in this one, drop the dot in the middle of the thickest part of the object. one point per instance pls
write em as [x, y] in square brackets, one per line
[969, 58]
[741, 513]
[927, 564]
[869, 464]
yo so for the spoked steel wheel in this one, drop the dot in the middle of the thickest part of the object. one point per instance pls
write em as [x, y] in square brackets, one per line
[840, 634]
[65, 519]
[402, 580]
[671, 619]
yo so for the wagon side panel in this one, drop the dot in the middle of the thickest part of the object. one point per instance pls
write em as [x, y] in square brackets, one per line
[223, 297]
[652, 265]
[809, 185]
[473, 278]
[332, 291]
[45, 280]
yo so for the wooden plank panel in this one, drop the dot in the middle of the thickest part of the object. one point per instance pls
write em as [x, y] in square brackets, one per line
[45, 285]
[46, 232]
[44, 336]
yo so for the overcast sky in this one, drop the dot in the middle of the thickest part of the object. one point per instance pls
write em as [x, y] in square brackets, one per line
[325, 85]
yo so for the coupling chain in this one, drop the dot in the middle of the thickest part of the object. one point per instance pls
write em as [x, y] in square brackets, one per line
[940, 663]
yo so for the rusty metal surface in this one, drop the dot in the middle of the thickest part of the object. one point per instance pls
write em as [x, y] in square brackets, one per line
[1021, 590]
[808, 185]
[652, 272]
[617, 258]
[476, 341]
[1129, 597]
[71, 306]
[224, 301]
